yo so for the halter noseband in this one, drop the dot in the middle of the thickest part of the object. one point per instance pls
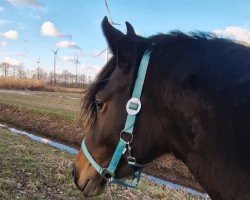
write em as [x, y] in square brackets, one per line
[133, 107]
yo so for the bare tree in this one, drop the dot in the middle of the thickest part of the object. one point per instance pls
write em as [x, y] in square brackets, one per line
[20, 71]
[82, 79]
[14, 69]
[5, 68]
[65, 77]
[39, 73]
[27, 73]
[51, 78]
[44, 75]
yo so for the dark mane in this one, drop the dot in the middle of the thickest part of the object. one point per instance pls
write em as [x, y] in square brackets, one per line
[155, 43]
[174, 36]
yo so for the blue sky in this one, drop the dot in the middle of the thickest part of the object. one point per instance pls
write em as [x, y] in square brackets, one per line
[30, 28]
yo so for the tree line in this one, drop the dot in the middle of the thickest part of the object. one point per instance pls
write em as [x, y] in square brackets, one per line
[65, 78]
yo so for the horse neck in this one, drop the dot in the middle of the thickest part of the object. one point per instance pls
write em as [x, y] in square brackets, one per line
[190, 124]
[168, 113]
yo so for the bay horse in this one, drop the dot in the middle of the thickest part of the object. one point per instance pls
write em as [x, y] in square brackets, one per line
[195, 104]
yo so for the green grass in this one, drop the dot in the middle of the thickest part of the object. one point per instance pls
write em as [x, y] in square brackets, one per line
[54, 104]
[30, 170]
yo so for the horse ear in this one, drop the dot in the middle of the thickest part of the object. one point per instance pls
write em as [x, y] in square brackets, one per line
[111, 34]
[130, 29]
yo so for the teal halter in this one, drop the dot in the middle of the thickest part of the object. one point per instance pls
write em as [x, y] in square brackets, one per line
[133, 107]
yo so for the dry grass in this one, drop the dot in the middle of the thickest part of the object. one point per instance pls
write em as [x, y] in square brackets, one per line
[63, 89]
[30, 170]
[34, 84]
[21, 83]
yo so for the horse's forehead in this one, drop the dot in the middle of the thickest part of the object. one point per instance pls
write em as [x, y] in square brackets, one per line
[116, 87]
[118, 77]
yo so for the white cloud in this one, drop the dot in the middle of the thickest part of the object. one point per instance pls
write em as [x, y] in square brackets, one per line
[32, 3]
[34, 16]
[236, 33]
[90, 70]
[71, 59]
[87, 70]
[64, 44]
[11, 34]
[81, 53]
[11, 61]
[4, 22]
[50, 30]
[3, 44]
[21, 26]
[20, 54]
[1, 9]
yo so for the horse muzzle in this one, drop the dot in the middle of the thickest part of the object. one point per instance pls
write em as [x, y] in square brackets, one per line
[88, 181]
[91, 187]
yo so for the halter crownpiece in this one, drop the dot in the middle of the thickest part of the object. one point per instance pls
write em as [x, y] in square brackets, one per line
[133, 107]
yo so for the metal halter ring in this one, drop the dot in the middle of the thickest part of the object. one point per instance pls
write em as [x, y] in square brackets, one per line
[131, 135]
[107, 174]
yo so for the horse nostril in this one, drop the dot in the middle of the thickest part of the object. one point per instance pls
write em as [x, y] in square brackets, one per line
[73, 170]
[75, 179]
[73, 173]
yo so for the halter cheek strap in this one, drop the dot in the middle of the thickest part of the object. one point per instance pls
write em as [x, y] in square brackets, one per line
[133, 108]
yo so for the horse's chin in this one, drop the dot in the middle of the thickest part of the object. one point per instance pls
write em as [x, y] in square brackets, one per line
[92, 188]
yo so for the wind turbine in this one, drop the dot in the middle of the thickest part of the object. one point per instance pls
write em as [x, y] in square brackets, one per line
[38, 68]
[109, 13]
[77, 62]
[55, 57]
[111, 22]
[38, 62]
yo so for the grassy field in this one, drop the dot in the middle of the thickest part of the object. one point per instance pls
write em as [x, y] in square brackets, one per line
[55, 104]
[52, 114]
[57, 115]
[30, 170]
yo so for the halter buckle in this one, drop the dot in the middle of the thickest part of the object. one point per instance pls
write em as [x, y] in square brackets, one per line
[131, 160]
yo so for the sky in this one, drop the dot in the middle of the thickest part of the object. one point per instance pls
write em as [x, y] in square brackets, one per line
[30, 28]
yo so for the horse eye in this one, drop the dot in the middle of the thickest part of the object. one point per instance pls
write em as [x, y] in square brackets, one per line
[99, 105]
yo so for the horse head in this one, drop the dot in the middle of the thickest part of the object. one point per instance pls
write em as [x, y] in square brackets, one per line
[106, 101]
